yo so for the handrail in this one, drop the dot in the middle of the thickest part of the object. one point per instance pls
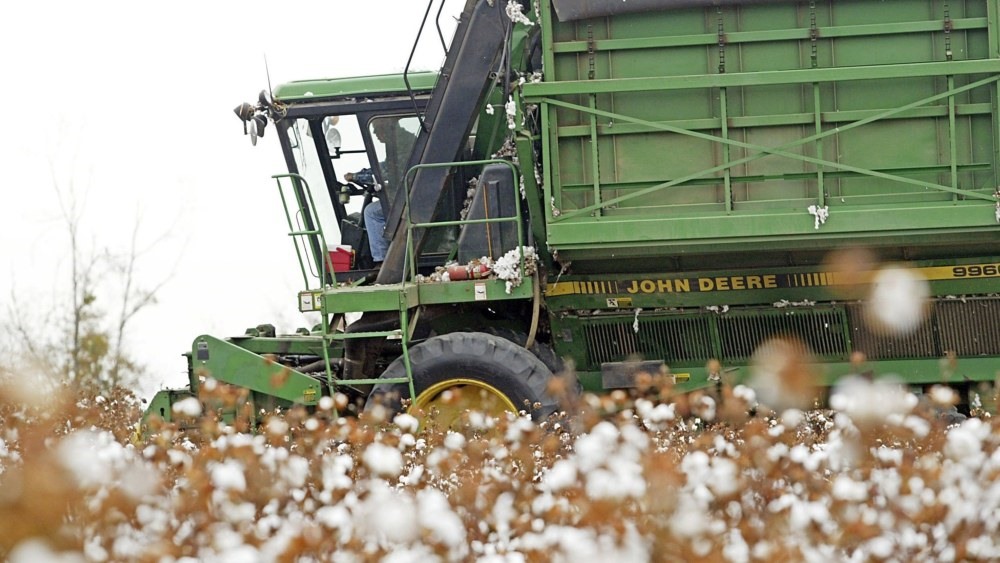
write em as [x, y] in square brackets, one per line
[324, 264]
[413, 50]
[410, 259]
[437, 23]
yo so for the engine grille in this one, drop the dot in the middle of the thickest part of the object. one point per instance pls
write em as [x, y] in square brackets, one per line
[821, 330]
[683, 339]
[967, 327]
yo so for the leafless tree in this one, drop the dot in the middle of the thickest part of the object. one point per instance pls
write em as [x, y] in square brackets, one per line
[82, 341]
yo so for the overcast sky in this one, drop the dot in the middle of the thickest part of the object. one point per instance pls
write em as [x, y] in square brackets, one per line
[129, 105]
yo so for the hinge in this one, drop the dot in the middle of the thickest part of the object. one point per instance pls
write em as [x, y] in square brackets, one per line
[590, 52]
[722, 42]
[813, 33]
[948, 26]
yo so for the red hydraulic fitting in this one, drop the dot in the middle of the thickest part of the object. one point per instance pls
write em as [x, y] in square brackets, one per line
[460, 272]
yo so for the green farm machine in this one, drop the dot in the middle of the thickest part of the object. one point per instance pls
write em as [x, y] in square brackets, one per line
[643, 186]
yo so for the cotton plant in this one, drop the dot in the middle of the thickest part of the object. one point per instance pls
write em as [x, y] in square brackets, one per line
[727, 474]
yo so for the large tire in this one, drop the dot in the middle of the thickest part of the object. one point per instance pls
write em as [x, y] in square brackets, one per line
[543, 352]
[482, 366]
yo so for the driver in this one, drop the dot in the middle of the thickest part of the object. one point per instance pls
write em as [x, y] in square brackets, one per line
[398, 144]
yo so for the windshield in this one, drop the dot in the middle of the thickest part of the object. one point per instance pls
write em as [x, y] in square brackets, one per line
[345, 150]
[393, 138]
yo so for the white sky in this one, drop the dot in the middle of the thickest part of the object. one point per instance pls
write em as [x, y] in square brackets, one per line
[130, 103]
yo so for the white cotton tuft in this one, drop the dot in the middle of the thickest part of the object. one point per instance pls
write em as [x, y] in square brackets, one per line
[898, 301]
[188, 407]
[229, 476]
[383, 460]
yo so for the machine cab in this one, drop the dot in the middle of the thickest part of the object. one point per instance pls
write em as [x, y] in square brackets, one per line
[350, 146]
[350, 141]
[350, 162]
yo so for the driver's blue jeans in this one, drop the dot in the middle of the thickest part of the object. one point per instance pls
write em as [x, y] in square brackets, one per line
[375, 225]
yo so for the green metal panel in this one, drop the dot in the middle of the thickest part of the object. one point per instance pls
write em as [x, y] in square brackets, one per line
[161, 405]
[712, 129]
[230, 363]
[473, 291]
[281, 345]
[737, 283]
[348, 299]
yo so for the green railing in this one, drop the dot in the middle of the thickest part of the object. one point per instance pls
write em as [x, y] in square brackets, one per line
[321, 265]
[411, 259]
[404, 290]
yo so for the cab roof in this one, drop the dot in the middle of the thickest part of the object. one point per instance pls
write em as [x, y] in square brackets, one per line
[312, 90]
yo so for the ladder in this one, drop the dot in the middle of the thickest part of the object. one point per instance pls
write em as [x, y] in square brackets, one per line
[317, 269]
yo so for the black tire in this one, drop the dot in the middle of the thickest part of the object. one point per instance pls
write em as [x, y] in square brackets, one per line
[494, 361]
[543, 352]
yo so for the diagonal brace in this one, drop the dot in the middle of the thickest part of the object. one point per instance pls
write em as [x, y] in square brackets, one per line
[778, 151]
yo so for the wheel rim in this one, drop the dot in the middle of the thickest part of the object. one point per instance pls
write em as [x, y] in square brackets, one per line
[468, 395]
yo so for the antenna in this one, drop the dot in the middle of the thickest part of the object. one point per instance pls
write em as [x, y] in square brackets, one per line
[267, 71]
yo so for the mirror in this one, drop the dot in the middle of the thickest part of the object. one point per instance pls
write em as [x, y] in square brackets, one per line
[257, 126]
[332, 135]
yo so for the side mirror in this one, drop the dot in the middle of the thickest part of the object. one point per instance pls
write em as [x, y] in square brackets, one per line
[257, 126]
[332, 135]
[253, 122]
[333, 138]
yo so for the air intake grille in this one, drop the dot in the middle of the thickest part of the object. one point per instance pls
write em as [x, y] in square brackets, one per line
[821, 330]
[879, 344]
[677, 339]
[688, 339]
[967, 327]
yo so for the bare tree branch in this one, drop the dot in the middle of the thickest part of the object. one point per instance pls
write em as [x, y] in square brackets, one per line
[89, 346]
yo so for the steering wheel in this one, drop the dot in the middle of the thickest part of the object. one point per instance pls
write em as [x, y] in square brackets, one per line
[357, 186]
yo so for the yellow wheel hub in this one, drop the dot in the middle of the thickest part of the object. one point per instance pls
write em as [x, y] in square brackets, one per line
[448, 399]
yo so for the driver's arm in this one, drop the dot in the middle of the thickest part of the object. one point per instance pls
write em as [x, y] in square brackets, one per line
[363, 176]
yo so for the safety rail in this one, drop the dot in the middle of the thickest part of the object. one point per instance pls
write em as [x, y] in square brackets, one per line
[408, 296]
[309, 234]
[411, 260]
[322, 265]
[413, 51]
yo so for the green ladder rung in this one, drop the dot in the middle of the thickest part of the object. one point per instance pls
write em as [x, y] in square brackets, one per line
[347, 335]
[377, 380]
[300, 233]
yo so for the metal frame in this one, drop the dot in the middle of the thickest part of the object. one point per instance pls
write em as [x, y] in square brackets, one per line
[534, 94]
[408, 294]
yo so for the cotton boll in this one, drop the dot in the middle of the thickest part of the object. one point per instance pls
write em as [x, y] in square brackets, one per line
[383, 460]
[964, 443]
[437, 517]
[406, 422]
[845, 488]
[561, 476]
[783, 374]
[898, 300]
[229, 476]
[943, 396]
[34, 550]
[389, 515]
[187, 407]
[871, 401]
[454, 441]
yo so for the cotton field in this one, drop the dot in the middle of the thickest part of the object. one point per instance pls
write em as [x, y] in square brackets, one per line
[645, 476]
